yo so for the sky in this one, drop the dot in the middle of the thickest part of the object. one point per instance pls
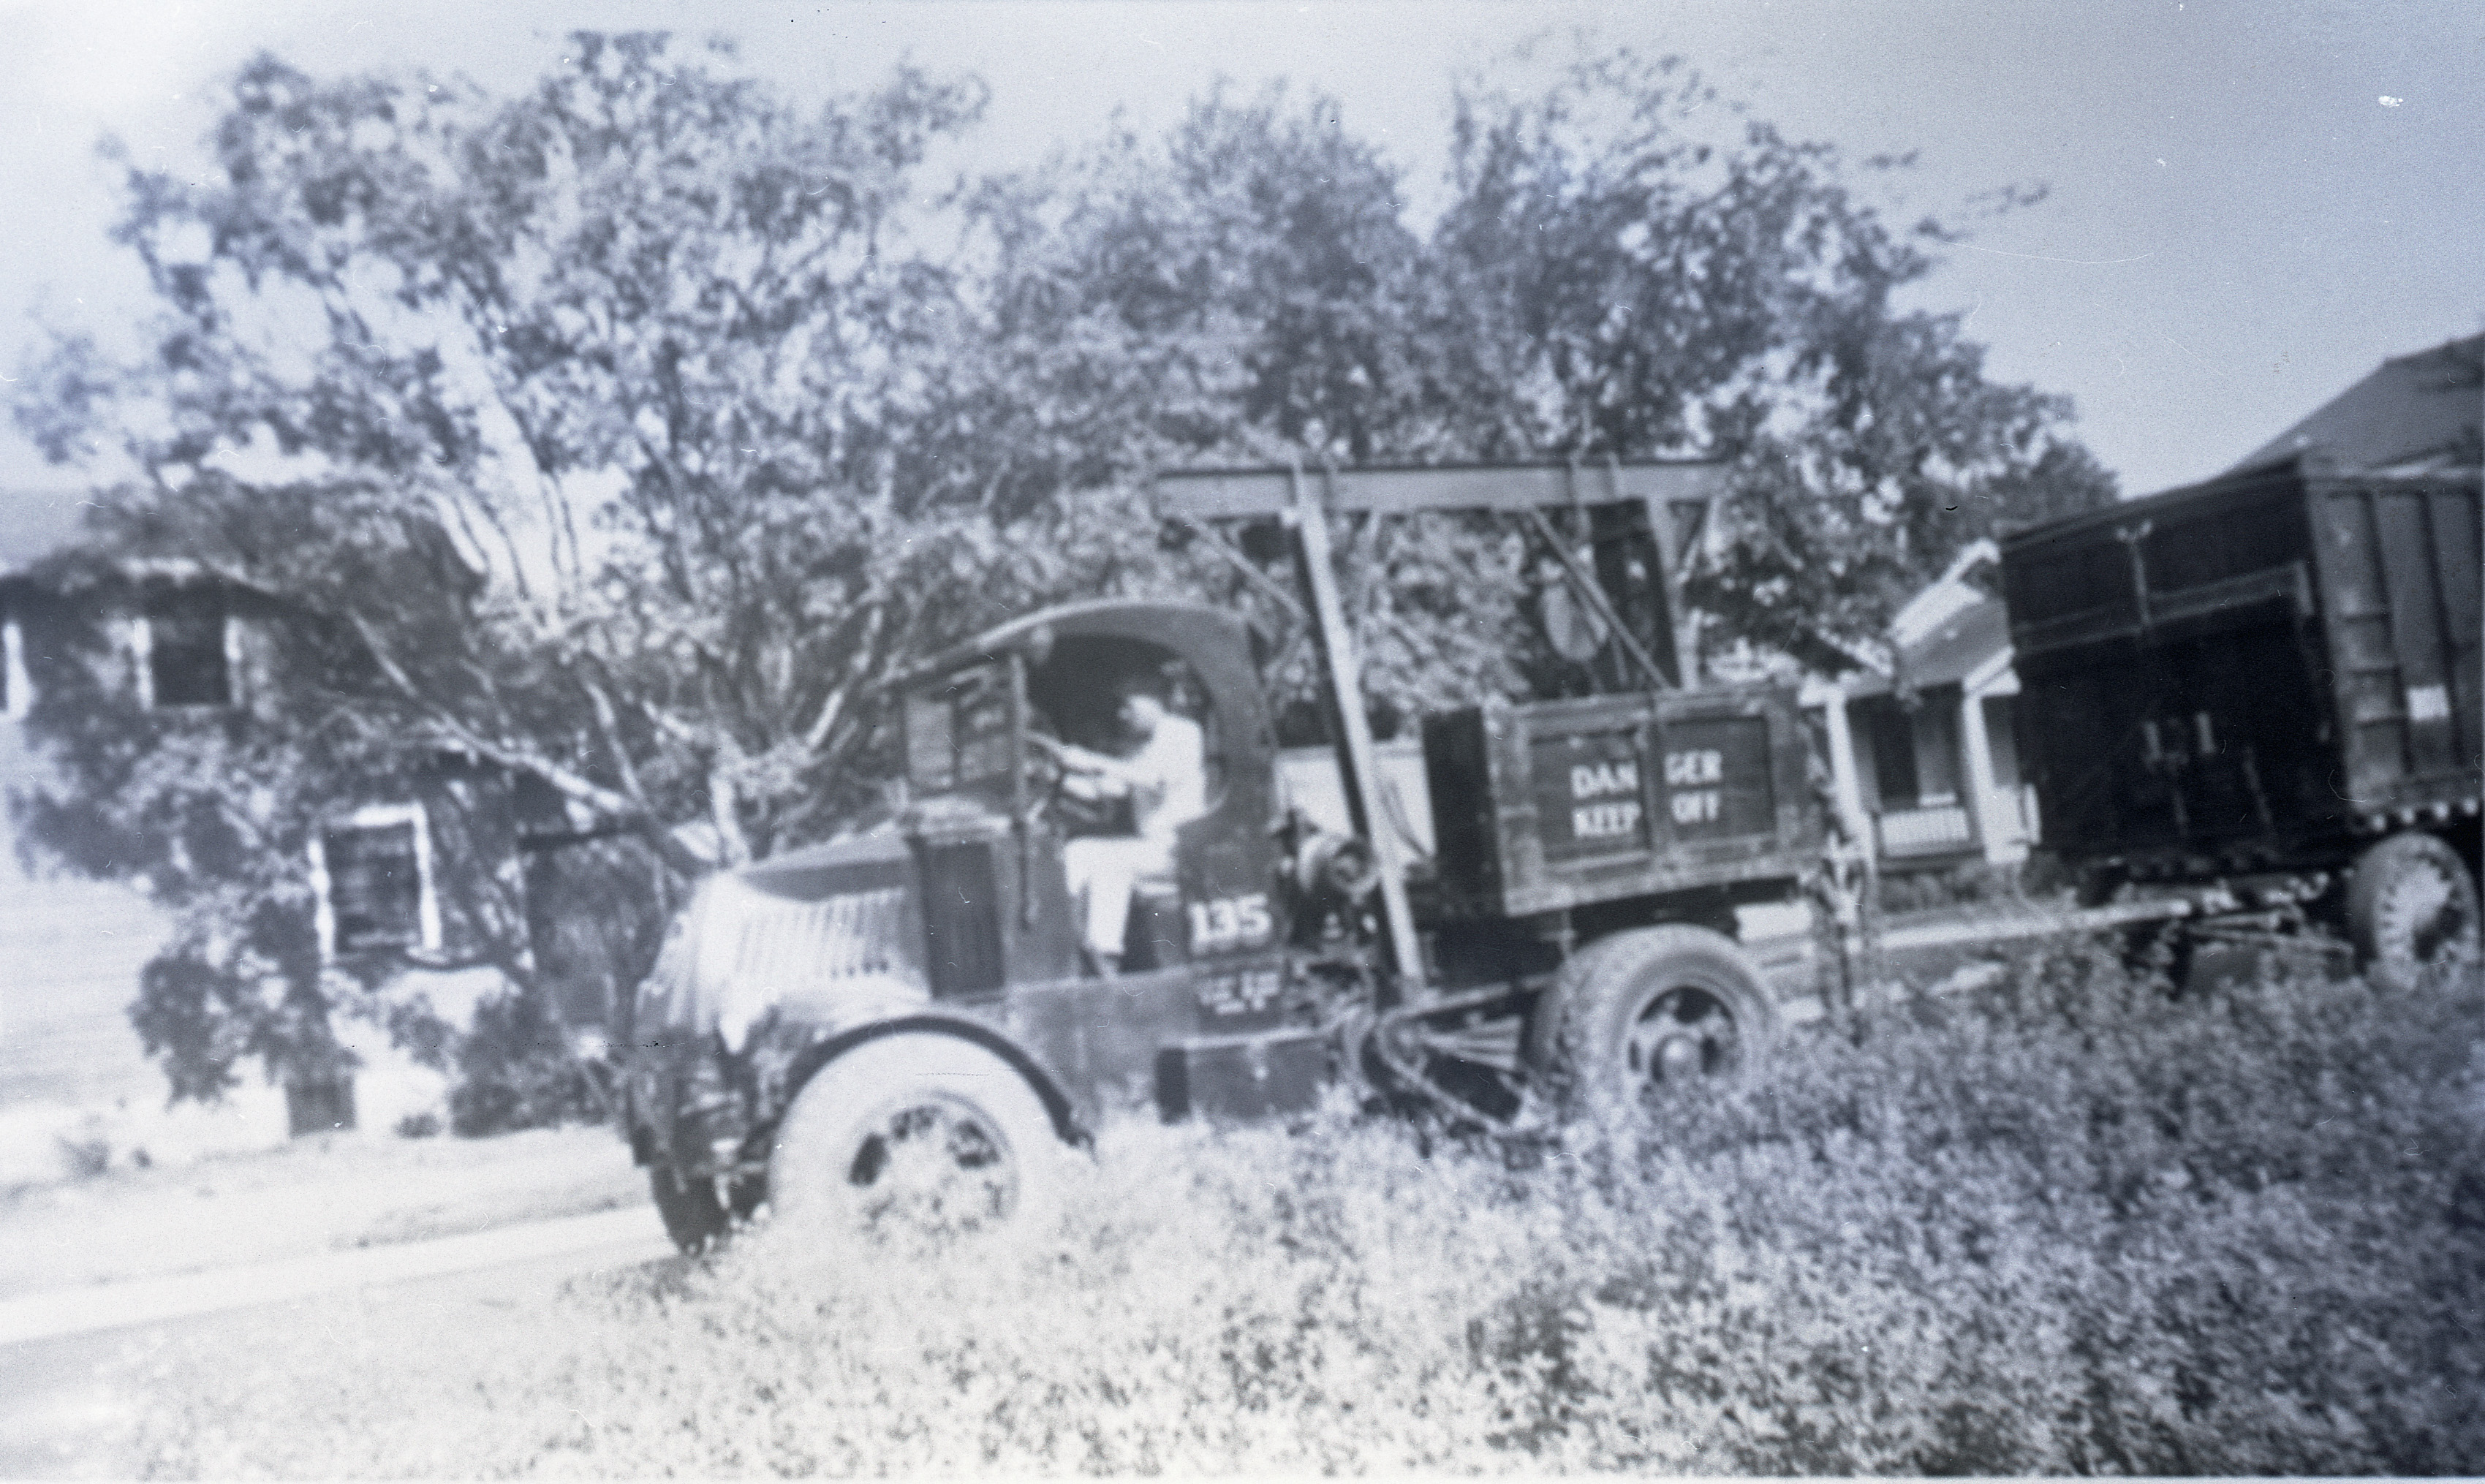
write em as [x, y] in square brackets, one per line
[2250, 205]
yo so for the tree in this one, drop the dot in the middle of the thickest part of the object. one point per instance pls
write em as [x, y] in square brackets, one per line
[569, 426]
[1646, 270]
[1242, 290]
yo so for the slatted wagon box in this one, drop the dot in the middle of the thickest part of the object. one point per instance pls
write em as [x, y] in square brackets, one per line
[1567, 804]
[2264, 671]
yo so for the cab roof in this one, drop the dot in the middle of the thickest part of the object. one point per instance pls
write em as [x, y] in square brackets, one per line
[1194, 631]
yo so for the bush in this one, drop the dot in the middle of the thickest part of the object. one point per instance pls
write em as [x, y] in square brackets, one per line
[1954, 885]
[513, 1070]
[2068, 1225]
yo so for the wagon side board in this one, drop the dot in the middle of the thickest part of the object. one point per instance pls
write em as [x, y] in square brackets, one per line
[2257, 671]
[1567, 804]
[2400, 563]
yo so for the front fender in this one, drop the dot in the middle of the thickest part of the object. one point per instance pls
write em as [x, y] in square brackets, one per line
[707, 1110]
[1067, 1120]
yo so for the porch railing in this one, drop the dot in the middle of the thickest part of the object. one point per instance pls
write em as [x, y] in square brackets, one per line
[1938, 829]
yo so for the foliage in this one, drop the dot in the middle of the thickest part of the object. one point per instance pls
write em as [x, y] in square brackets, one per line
[2074, 1227]
[1974, 883]
[1644, 270]
[621, 437]
[514, 1071]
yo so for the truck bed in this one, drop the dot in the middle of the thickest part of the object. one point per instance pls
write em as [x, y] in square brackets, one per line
[1557, 805]
[2253, 671]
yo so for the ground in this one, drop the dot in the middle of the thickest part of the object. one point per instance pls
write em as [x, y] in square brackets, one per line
[2052, 1218]
[311, 1196]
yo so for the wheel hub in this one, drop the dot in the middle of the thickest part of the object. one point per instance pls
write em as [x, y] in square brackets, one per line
[1683, 1036]
[933, 1168]
[2419, 915]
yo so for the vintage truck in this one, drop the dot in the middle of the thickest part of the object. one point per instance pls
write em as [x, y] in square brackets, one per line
[895, 1028]
[2254, 704]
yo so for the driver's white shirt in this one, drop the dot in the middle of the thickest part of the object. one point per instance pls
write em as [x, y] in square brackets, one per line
[1168, 778]
[1168, 783]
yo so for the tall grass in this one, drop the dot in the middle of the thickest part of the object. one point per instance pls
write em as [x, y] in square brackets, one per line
[2067, 1224]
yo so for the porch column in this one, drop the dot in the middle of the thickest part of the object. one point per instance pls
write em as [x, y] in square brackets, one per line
[1843, 779]
[1996, 834]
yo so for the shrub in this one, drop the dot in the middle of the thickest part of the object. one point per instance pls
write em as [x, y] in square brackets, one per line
[513, 1070]
[1954, 885]
[2067, 1224]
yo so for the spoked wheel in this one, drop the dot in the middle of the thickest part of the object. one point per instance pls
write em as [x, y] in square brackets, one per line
[1649, 1014]
[2412, 902]
[1682, 1035]
[913, 1139]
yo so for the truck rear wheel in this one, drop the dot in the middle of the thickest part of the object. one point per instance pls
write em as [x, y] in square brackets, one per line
[914, 1138]
[2409, 904]
[1648, 1012]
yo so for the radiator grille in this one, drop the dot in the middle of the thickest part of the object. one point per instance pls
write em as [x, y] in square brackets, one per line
[740, 952]
[786, 946]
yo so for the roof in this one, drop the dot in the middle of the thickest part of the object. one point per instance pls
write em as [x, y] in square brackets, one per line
[1947, 653]
[1950, 593]
[35, 523]
[1179, 626]
[2417, 414]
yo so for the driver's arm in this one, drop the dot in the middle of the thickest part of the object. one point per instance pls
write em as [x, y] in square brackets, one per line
[1106, 776]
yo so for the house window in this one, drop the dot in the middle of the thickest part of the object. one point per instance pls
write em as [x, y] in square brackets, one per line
[187, 647]
[1915, 753]
[1937, 762]
[373, 878]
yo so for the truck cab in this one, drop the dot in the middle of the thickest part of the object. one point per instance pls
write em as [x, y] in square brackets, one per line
[953, 918]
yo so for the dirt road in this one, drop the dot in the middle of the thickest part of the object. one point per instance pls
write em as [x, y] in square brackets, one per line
[74, 1365]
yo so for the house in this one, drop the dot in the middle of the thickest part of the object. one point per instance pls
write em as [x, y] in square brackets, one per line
[1922, 755]
[2417, 414]
[33, 525]
[450, 868]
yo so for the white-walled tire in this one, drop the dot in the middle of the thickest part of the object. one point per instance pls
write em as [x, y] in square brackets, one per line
[914, 1138]
[2411, 902]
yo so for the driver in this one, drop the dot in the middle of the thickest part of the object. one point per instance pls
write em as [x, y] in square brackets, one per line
[1164, 777]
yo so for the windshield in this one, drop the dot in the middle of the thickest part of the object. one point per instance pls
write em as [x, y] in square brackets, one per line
[958, 729]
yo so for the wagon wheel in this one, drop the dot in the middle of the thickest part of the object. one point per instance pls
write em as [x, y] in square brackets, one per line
[1650, 1013]
[914, 1139]
[2410, 903]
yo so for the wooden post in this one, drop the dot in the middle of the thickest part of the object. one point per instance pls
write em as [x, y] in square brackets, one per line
[1985, 804]
[1357, 772]
[1678, 525]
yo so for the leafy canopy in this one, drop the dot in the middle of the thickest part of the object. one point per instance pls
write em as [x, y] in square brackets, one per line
[623, 435]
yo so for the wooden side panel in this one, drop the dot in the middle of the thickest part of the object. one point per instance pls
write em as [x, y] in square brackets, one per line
[2398, 565]
[2459, 560]
[1568, 804]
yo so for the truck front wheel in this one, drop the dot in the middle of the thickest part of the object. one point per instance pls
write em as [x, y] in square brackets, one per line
[914, 1137]
[693, 1218]
[2409, 904]
[1646, 1013]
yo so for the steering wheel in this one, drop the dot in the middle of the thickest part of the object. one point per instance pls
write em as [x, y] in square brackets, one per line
[1045, 771]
